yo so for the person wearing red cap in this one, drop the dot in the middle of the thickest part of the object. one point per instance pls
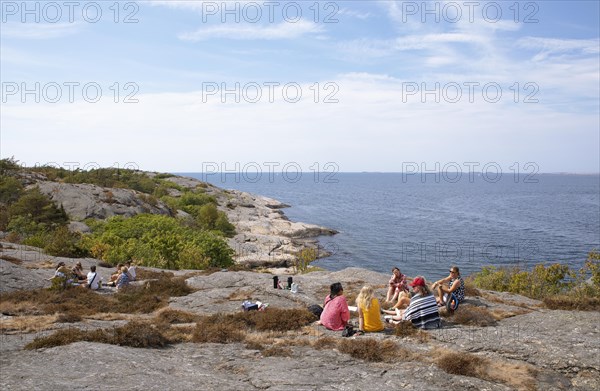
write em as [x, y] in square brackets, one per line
[422, 310]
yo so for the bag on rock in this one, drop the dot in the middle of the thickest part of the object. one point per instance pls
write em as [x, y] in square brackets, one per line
[348, 331]
[316, 310]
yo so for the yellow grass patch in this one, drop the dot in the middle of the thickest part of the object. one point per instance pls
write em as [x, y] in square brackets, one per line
[27, 324]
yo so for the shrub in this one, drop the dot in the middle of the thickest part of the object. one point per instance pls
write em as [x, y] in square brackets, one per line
[39, 209]
[325, 343]
[303, 259]
[83, 302]
[277, 351]
[172, 316]
[158, 241]
[473, 316]
[63, 243]
[69, 318]
[565, 302]
[59, 338]
[276, 319]
[11, 189]
[135, 334]
[542, 281]
[370, 349]
[465, 364]
[138, 334]
[217, 330]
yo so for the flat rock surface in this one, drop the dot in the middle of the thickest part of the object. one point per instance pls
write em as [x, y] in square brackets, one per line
[562, 347]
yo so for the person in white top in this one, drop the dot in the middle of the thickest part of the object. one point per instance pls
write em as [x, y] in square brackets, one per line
[131, 270]
[93, 279]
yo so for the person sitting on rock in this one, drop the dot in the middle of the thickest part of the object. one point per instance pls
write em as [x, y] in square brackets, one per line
[131, 270]
[93, 280]
[397, 285]
[335, 313]
[64, 273]
[422, 310]
[115, 275]
[78, 272]
[456, 285]
[369, 318]
[123, 279]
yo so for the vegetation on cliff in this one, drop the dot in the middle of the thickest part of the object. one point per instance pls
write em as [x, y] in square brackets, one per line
[559, 286]
[192, 242]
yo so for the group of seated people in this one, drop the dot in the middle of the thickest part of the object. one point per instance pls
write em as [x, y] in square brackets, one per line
[92, 280]
[123, 275]
[419, 306]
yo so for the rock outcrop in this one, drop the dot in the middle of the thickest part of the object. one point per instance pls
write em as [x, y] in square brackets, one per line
[265, 236]
[528, 347]
[83, 201]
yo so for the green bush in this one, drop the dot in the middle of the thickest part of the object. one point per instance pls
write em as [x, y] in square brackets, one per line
[63, 243]
[544, 281]
[158, 241]
[38, 208]
[11, 189]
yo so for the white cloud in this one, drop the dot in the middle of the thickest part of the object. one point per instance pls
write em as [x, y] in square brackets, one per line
[354, 13]
[39, 30]
[371, 129]
[552, 46]
[283, 30]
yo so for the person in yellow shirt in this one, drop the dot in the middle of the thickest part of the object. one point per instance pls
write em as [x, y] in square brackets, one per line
[369, 317]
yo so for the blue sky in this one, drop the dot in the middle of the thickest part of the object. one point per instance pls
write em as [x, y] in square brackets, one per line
[366, 56]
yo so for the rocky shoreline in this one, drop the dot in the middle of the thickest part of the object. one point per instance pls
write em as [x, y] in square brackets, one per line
[264, 235]
[527, 346]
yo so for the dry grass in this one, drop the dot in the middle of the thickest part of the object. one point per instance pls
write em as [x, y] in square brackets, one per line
[13, 260]
[109, 316]
[570, 303]
[473, 316]
[324, 343]
[518, 376]
[370, 349]
[226, 328]
[171, 316]
[502, 314]
[146, 274]
[41, 265]
[464, 364]
[406, 329]
[135, 334]
[84, 302]
[27, 324]
[68, 318]
[179, 333]
[471, 291]
[211, 330]
[276, 351]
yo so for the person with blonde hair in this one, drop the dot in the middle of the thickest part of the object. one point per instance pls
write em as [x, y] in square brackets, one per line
[123, 279]
[369, 315]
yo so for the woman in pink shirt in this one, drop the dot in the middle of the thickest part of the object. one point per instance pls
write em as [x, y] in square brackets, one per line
[335, 313]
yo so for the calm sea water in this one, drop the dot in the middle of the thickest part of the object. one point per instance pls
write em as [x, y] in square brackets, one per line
[388, 219]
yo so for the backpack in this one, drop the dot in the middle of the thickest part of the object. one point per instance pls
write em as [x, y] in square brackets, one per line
[348, 331]
[316, 310]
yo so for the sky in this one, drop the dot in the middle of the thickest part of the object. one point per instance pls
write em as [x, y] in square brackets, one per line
[386, 86]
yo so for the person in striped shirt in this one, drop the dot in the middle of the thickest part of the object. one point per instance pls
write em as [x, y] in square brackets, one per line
[422, 310]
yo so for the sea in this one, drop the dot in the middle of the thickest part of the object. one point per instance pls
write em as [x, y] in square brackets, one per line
[425, 223]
